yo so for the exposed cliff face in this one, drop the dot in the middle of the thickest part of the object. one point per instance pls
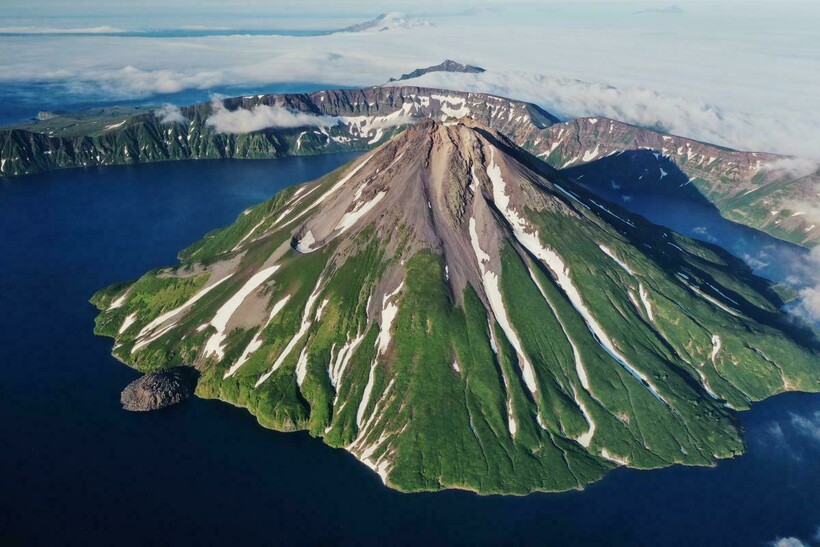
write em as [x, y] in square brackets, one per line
[458, 314]
[744, 186]
[367, 117]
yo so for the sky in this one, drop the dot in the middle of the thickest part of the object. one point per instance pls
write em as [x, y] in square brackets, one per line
[739, 74]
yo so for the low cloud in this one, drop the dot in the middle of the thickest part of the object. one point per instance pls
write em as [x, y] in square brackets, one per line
[261, 117]
[702, 232]
[808, 270]
[638, 105]
[168, 114]
[807, 426]
[793, 168]
[797, 435]
[774, 108]
[788, 542]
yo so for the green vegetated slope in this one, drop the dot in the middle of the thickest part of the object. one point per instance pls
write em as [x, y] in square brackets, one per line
[457, 314]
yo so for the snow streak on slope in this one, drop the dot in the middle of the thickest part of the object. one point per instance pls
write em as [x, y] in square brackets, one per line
[303, 328]
[127, 322]
[389, 311]
[493, 291]
[341, 182]
[617, 260]
[337, 367]
[528, 237]
[511, 423]
[586, 438]
[349, 219]
[173, 313]
[151, 327]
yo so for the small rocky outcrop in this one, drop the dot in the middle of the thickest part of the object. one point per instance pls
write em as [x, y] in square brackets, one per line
[159, 389]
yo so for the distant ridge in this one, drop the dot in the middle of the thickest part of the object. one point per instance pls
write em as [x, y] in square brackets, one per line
[447, 66]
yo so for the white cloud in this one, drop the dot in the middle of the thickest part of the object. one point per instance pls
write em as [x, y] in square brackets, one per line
[808, 267]
[748, 79]
[169, 114]
[807, 426]
[794, 167]
[262, 117]
[570, 98]
[788, 542]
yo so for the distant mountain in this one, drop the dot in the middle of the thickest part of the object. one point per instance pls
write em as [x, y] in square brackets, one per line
[387, 21]
[446, 66]
[457, 314]
[756, 189]
[483, 10]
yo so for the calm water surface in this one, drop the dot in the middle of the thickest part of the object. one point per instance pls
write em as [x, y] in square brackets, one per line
[79, 470]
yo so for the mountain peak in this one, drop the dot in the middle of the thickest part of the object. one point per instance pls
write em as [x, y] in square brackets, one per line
[447, 66]
[459, 315]
[386, 22]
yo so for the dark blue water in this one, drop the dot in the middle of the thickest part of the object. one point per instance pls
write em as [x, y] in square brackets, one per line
[768, 256]
[76, 469]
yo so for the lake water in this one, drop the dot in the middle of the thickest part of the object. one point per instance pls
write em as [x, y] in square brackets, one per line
[79, 470]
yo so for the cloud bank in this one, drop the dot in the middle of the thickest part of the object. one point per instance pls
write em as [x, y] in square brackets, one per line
[262, 117]
[104, 29]
[689, 75]
[571, 98]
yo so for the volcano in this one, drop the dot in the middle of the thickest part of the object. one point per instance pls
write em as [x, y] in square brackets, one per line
[458, 314]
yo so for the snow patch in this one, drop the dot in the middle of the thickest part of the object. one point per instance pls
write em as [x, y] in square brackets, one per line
[220, 321]
[716, 343]
[115, 125]
[256, 342]
[119, 302]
